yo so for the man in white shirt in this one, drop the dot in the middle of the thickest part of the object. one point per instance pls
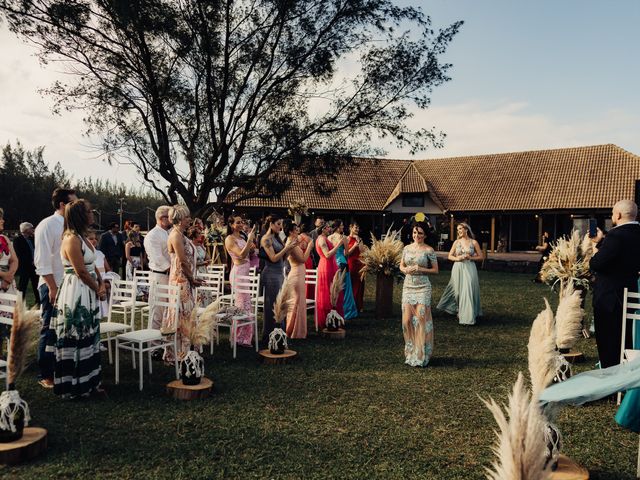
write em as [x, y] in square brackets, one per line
[48, 239]
[155, 244]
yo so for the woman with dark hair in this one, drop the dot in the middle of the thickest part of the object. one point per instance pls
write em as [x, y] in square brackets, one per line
[338, 238]
[418, 260]
[134, 254]
[76, 319]
[297, 313]
[238, 249]
[272, 276]
[194, 233]
[327, 268]
[254, 259]
[355, 265]
[462, 294]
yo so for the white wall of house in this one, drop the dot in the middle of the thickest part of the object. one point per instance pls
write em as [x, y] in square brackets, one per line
[429, 206]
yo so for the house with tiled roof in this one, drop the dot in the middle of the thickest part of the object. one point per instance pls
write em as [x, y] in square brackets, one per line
[507, 197]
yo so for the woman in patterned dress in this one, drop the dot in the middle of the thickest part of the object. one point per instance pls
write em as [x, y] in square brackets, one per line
[134, 254]
[418, 260]
[239, 249]
[182, 273]
[76, 318]
[8, 269]
[462, 295]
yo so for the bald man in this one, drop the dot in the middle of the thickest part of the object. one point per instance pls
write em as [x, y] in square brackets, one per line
[615, 264]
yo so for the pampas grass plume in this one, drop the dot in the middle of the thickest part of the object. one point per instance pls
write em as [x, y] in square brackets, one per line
[542, 350]
[281, 305]
[337, 284]
[569, 317]
[25, 324]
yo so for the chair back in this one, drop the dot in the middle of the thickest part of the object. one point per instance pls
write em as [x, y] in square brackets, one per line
[7, 304]
[249, 284]
[142, 279]
[217, 268]
[311, 276]
[630, 312]
[212, 278]
[206, 294]
[122, 291]
[165, 296]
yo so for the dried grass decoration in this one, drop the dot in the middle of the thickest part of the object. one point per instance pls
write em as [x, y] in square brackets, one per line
[520, 448]
[568, 263]
[14, 411]
[384, 256]
[334, 319]
[199, 332]
[569, 316]
[278, 337]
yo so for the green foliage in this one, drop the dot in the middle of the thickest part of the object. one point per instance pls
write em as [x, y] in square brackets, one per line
[348, 409]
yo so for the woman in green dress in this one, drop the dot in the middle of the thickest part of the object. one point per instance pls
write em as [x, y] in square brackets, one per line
[462, 295]
[418, 260]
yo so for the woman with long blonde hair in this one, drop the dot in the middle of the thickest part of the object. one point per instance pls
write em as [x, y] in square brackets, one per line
[462, 295]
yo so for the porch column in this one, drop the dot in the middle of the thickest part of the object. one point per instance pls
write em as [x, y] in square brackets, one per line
[451, 237]
[492, 247]
[539, 229]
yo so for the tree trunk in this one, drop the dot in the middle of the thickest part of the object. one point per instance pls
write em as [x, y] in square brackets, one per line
[384, 296]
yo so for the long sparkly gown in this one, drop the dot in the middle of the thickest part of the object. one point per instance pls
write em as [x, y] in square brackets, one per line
[271, 280]
[327, 268]
[357, 284]
[462, 294]
[417, 323]
[186, 300]
[349, 304]
[244, 334]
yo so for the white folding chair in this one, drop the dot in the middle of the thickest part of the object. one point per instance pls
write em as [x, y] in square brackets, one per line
[249, 285]
[122, 295]
[311, 278]
[7, 305]
[146, 340]
[630, 311]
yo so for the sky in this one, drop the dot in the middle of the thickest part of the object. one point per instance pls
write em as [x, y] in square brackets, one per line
[526, 75]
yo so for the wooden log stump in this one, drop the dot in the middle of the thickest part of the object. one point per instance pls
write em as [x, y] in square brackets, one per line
[269, 358]
[180, 391]
[569, 470]
[339, 334]
[573, 357]
[32, 444]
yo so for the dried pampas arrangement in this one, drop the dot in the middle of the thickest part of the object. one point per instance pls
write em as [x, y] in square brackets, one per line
[383, 257]
[542, 350]
[568, 263]
[199, 329]
[569, 317]
[281, 305]
[521, 446]
[25, 325]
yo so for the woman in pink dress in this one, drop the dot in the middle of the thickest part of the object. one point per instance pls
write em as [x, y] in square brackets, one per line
[355, 265]
[327, 268]
[182, 273]
[239, 249]
[297, 312]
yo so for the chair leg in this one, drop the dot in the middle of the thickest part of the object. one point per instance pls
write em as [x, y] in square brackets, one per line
[141, 364]
[235, 332]
[109, 348]
[255, 331]
[619, 398]
[117, 362]
[213, 329]
[217, 335]
[175, 357]
[150, 362]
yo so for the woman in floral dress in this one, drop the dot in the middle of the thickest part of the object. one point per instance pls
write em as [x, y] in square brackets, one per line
[418, 260]
[182, 273]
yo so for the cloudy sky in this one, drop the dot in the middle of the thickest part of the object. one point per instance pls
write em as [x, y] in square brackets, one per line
[527, 75]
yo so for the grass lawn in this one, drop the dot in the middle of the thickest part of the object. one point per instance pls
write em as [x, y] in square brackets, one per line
[348, 409]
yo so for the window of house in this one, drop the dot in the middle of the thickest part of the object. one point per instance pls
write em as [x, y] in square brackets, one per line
[413, 200]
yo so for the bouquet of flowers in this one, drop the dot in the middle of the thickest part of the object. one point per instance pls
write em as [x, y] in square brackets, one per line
[383, 257]
[568, 263]
[297, 208]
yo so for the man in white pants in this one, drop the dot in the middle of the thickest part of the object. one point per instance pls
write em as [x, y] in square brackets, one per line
[155, 244]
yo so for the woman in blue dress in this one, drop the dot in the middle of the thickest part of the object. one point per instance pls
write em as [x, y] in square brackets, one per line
[462, 295]
[338, 237]
[418, 261]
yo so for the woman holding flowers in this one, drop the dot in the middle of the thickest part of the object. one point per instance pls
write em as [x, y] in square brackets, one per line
[418, 261]
[462, 295]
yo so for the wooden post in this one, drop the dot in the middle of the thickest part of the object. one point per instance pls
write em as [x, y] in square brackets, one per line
[451, 237]
[539, 229]
[492, 247]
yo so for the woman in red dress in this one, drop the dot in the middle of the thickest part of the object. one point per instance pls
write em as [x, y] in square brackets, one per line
[327, 268]
[355, 265]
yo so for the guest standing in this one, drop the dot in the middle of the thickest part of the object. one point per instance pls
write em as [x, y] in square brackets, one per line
[418, 261]
[112, 245]
[8, 266]
[254, 258]
[156, 243]
[462, 294]
[314, 234]
[183, 274]
[134, 254]
[273, 252]
[297, 313]
[238, 249]
[615, 263]
[48, 240]
[355, 265]
[327, 268]
[24, 247]
[338, 238]
[202, 256]
[545, 249]
[102, 268]
[75, 324]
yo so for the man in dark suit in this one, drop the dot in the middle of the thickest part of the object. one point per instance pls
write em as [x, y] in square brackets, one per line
[616, 264]
[112, 245]
[24, 246]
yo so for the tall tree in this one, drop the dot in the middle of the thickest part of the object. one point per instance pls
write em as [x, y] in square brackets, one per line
[203, 96]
